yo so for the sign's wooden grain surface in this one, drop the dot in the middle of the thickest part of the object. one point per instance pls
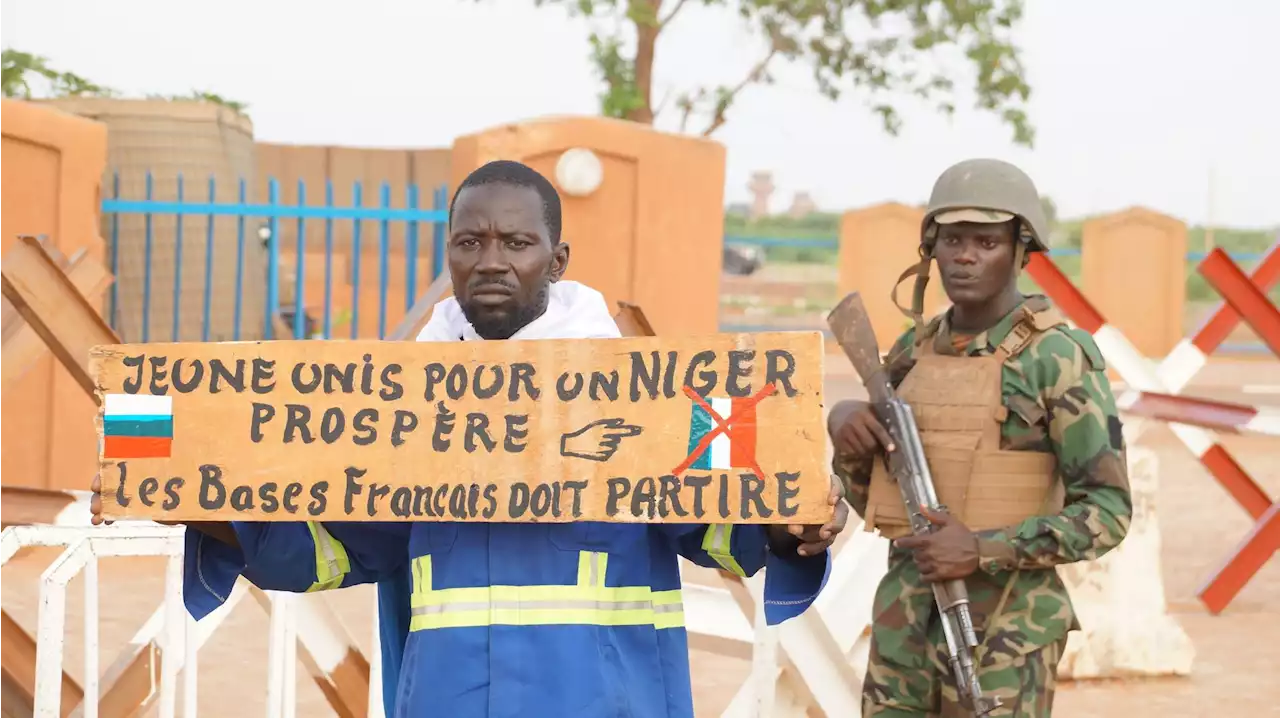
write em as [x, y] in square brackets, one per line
[718, 428]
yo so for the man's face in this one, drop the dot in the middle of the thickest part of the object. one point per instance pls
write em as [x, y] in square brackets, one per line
[501, 258]
[975, 260]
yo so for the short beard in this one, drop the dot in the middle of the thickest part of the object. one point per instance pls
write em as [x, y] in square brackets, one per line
[494, 328]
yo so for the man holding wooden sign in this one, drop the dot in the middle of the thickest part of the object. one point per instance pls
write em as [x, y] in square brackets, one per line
[523, 504]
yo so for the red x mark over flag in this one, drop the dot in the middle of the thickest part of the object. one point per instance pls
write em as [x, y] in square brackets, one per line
[738, 430]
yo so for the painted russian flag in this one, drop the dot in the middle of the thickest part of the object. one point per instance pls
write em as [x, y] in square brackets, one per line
[136, 426]
[734, 448]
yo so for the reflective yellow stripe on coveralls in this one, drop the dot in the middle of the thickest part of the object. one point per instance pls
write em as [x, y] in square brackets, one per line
[589, 602]
[332, 564]
[716, 543]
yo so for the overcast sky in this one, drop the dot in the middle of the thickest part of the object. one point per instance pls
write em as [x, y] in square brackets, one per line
[1134, 101]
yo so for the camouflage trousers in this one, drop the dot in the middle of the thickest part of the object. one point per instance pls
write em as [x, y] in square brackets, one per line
[1024, 684]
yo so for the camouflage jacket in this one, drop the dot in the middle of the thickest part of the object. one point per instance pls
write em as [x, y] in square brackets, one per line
[1059, 401]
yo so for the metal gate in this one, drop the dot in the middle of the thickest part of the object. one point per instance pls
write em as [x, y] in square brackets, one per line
[187, 267]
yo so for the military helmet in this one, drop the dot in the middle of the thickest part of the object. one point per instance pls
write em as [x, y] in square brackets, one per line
[986, 190]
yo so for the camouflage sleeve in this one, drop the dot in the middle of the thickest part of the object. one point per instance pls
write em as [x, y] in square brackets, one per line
[855, 476]
[1085, 435]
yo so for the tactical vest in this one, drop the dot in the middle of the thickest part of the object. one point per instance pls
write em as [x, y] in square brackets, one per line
[959, 409]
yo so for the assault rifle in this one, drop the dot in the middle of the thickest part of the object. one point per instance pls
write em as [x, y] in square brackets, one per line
[852, 328]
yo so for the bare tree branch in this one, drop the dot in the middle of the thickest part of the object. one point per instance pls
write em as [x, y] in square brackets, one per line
[662, 104]
[726, 99]
[663, 22]
[687, 105]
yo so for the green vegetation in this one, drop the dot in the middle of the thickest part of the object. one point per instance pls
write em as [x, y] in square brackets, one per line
[20, 67]
[818, 225]
[913, 48]
[204, 96]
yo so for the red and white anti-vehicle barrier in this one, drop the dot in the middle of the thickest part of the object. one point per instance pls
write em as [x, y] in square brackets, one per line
[1216, 415]
[1263, 541]
[1245, 299]
[1139, 376]
[1192, 353]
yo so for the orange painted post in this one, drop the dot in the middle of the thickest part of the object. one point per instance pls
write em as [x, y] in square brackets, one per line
[876, 244]
[1133, 269]
[652, 233]
[53, 166]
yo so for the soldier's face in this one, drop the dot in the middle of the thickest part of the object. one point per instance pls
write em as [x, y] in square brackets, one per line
[975, 260]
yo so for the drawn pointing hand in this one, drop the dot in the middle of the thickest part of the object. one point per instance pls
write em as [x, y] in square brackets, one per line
[597, 441]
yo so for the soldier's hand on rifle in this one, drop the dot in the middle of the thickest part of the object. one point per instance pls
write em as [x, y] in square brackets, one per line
[950, 551]
[855, 431]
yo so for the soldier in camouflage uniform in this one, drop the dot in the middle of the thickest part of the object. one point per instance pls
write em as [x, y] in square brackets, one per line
[1052, 401]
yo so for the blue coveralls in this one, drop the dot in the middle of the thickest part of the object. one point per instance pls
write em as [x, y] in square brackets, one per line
[491, 620]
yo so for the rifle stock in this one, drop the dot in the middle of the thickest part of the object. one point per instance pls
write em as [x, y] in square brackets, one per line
[852, 328]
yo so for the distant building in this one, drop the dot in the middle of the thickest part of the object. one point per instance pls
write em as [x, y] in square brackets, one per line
[802, 205]
[761, 188]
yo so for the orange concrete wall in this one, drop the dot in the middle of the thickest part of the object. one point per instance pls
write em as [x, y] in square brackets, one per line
[652, 234]
[876, 245]
[1133, 269]
[52, 168]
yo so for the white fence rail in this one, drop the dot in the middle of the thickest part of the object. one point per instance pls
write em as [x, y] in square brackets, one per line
[82, 548]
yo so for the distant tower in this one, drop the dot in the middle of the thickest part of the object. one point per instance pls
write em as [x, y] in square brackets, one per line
[761, 187]
[802, 205]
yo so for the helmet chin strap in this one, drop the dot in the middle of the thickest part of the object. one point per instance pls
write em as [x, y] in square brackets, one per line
[921, 272]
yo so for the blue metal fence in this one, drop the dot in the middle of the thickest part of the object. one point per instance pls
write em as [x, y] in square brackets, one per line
[411, 214]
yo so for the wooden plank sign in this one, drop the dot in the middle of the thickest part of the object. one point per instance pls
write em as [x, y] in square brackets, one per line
[718, 428]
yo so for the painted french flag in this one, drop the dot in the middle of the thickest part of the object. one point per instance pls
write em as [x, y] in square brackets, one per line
[734, 448]
[137, 426]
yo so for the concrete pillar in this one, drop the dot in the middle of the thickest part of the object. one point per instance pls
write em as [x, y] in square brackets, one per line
[876, 244]
[1120, 601]
[1133, 269]
[53, 166]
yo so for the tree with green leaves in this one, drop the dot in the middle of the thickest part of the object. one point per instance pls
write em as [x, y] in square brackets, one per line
[17, 66]
[908, 47]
